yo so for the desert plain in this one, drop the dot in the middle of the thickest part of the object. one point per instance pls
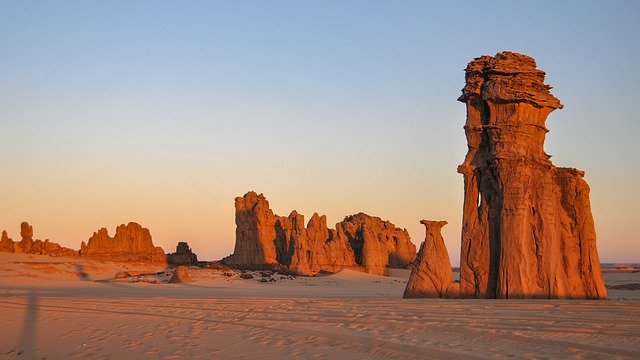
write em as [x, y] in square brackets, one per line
[74, 308]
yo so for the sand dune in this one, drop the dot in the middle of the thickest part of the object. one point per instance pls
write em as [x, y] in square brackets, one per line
[51, 311]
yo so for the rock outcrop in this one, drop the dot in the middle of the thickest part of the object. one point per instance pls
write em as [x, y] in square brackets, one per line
[6, 244]
[26, 233]
[183, 256]
[28, 245]
[131, 242]
[432, 276]
[527, 227]
[360, 242]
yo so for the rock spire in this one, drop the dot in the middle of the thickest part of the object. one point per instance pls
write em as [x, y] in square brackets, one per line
[527, 227]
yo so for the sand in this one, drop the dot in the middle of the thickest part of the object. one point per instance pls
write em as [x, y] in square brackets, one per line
[57, 308]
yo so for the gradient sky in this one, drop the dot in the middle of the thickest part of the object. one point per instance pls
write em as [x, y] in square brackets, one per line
[161, 112]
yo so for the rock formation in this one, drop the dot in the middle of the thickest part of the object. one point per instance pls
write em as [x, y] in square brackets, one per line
[180, 275]
[26, 232]
[183, 256]
[29, 246]
[432, 276]
[360, 242]
[6, 244]
[131, 242]
[527, 227]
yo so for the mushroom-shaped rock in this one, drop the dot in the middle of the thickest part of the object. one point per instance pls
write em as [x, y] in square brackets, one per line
[431, 277]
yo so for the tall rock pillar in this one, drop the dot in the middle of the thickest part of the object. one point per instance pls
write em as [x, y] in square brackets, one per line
[527, 228]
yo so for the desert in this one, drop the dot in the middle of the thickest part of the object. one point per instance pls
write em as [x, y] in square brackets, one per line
[319, 180]
[57, 308]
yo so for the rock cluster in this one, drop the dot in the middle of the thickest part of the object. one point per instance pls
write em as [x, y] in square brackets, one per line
[183, 256]
[131, 242]
[28, 245]
[527, 228]
[360, 242]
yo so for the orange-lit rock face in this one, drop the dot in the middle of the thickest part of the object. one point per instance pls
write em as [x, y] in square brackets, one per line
[360, 242]
[131, 242]
[527, 227]
[6, 244]
[432, 276]
[28, 245]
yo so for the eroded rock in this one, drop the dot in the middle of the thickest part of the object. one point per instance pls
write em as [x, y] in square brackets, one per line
[527, 227]
[6, 244]
[360, 242]
[131, 242]
[183, 256]
[28, 245]
[180, 275]
[432, 276]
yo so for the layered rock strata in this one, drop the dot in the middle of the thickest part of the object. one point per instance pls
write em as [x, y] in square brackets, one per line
[183, 256]
[431, 276]
[131, 242]
[527, 227]
[360, 242]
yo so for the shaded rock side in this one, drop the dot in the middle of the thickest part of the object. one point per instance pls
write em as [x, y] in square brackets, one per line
[527, 227]
[255, 232]
[377, 244]
[360, 242]
[432, 276]
[28, 245]
[131, 242]
[183, 256]
[6, 244]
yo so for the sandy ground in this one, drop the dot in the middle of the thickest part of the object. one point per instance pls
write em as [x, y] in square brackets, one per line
[57, 308]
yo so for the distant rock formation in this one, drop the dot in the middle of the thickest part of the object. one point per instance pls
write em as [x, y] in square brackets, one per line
[527, 227]
[131, 242]
[183, 256]
[432, 276]
[360, 242]
[6, 244]
[26, 232]
[29, 246]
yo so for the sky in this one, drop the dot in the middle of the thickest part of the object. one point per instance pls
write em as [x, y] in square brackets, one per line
[162, 112]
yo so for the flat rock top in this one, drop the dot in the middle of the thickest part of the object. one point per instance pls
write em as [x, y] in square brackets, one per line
[508, 77]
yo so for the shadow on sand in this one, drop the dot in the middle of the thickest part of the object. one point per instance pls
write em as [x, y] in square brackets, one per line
[27, 340]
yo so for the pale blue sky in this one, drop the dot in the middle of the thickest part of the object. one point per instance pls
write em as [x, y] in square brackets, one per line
[162, 112]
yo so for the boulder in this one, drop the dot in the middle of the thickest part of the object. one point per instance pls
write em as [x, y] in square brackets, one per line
[180, 275]
[131, 242]
[431, 276]
[183, 256]
[527, 227]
